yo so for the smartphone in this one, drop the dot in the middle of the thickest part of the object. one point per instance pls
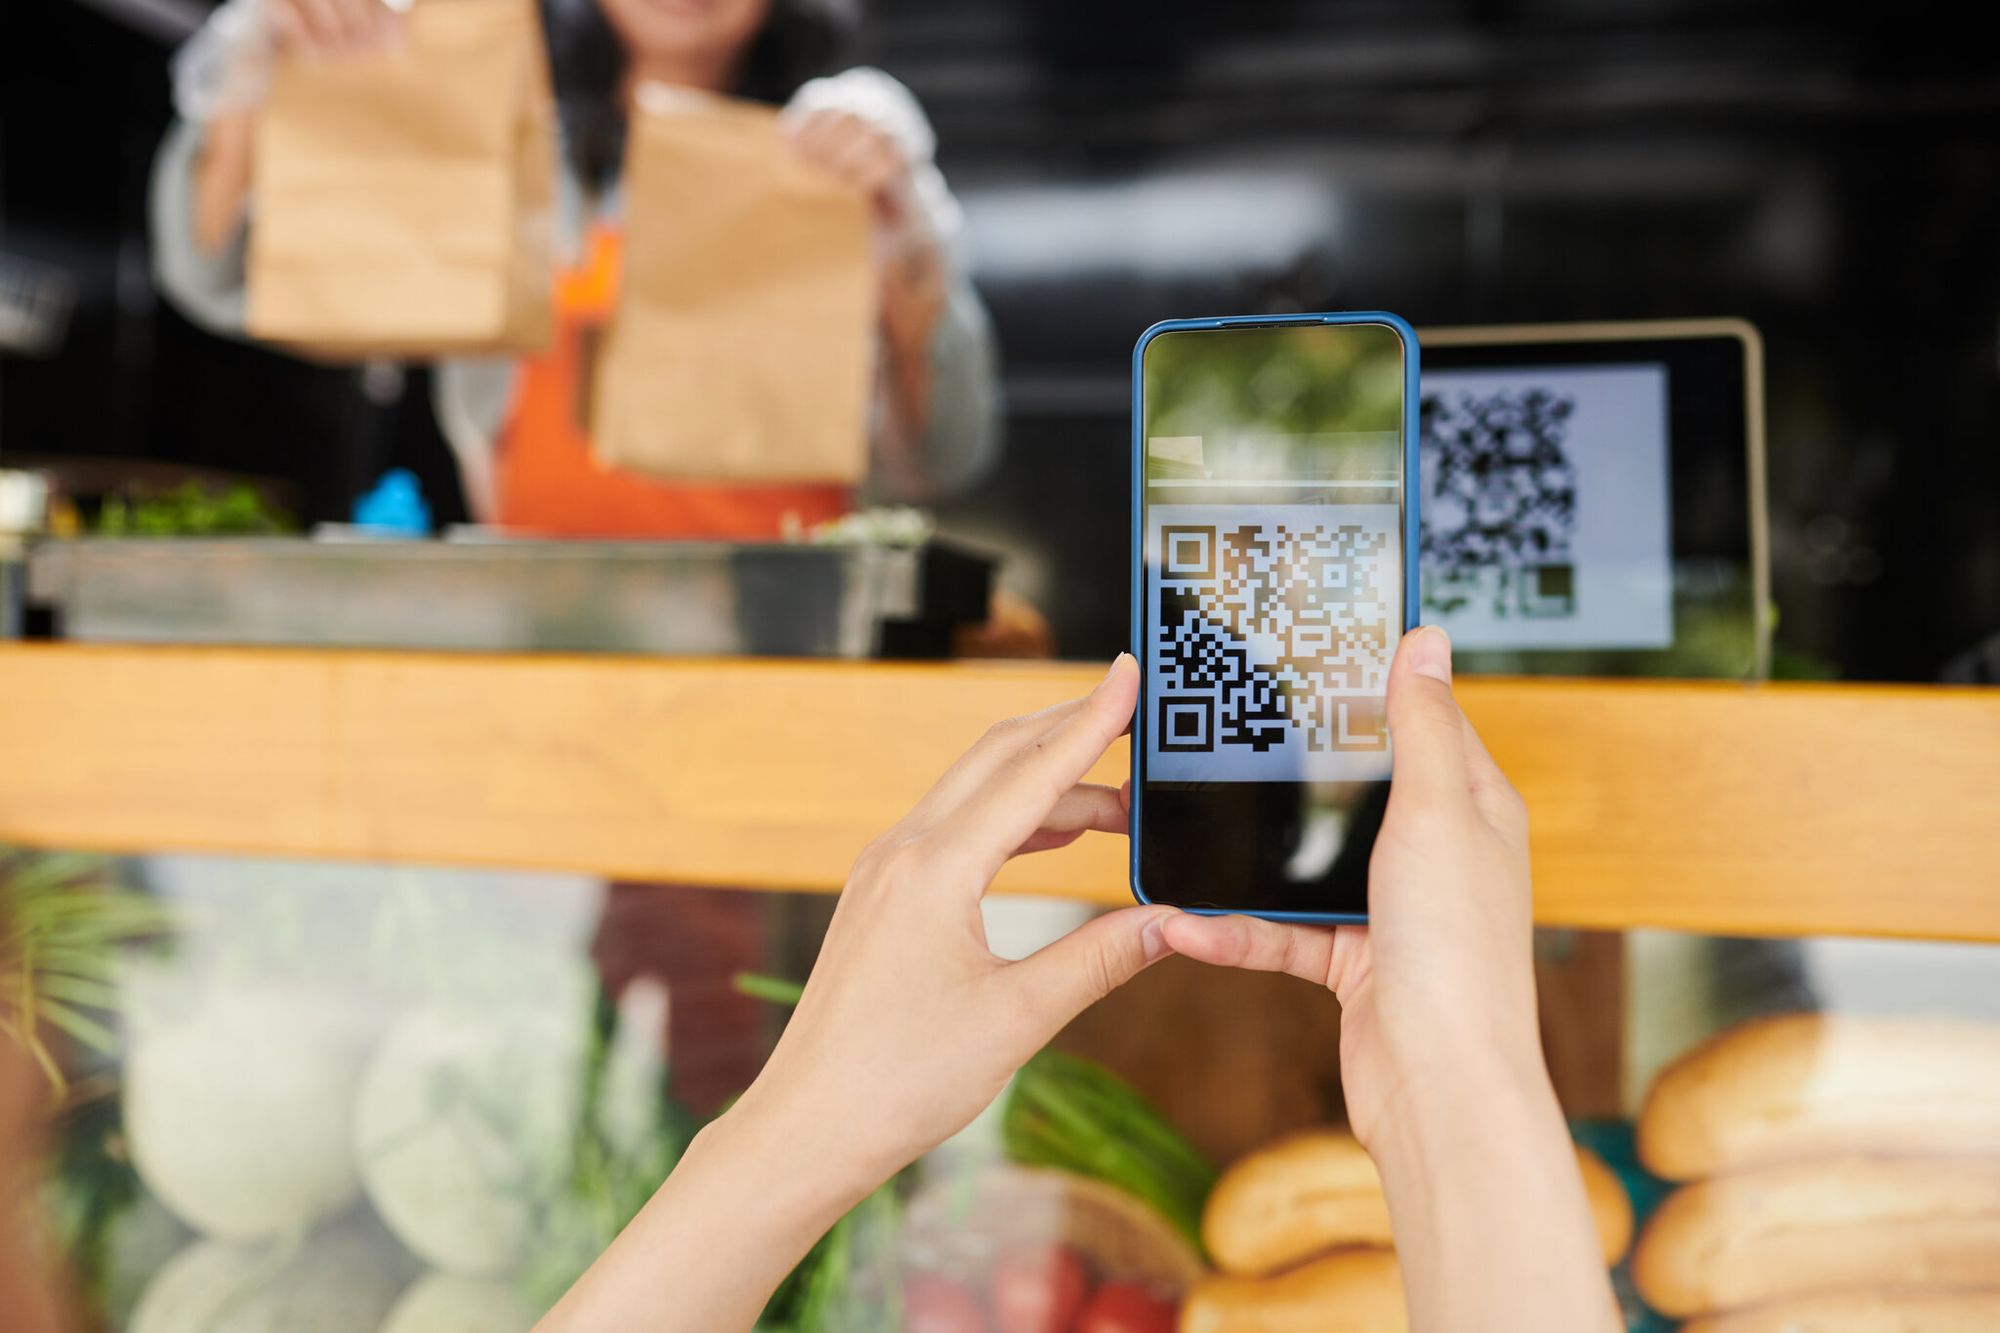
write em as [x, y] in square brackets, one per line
[1274, 531]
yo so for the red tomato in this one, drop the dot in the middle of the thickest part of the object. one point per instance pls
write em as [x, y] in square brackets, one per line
[1126, 1307]
[1039, 1289]
[935, 1304]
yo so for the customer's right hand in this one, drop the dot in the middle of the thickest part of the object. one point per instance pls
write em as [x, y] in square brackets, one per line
[333, 27]
[1437, 992]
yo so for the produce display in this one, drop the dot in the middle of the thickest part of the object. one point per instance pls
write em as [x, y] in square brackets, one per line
[1072, 1114]
[1037, 1289]
[64, 919]
[462, 1124]
[1299, 1197]
[192, 510]
[426, 1118]
[1816, 1226]
[1840, 1173]
[379, 1107]
[341, 1279]
[335, 1079]
[1078, 1213]
[1864, 1312]
[1299, 1231]
[238, 1117]
[1041, 1250]
[1356, 1290]
[441, 1303]
[1811, 1085]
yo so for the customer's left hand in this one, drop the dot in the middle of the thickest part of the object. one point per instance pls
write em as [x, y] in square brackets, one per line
[910, 1025]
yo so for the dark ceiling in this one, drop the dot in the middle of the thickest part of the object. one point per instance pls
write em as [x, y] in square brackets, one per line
[1831, 172]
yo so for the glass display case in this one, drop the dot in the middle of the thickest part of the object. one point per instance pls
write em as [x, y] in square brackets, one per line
[383, 994]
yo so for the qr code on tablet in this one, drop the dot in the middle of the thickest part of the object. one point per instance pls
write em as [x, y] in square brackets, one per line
[1499, 503]
[1273, 629]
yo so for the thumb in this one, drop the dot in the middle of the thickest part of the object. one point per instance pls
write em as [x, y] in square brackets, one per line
[1426, 728]
[1062, 979]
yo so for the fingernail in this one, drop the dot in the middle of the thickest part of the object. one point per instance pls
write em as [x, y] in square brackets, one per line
[1153, 939]
[1116, 663]
[1430, 653]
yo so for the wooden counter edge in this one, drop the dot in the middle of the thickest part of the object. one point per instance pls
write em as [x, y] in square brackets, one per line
[1707, 806]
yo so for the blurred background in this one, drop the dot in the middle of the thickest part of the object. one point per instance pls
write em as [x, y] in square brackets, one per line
[1828, 172]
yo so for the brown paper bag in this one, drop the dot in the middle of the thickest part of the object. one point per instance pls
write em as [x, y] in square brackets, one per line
[742, 347]
[405, 200]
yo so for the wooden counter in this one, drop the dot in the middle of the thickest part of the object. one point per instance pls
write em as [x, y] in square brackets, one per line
[1776, 809]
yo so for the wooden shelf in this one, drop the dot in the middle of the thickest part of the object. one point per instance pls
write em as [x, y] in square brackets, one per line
[1777, 809]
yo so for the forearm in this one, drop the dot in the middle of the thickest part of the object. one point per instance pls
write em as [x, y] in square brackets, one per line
[909, 380]
[203, 276]
[1492, 1226]
[951, 403]
[221, 180]
[740, 1210]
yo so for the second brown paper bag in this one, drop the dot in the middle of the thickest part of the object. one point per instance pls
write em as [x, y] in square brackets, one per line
[742, 347]
[405, 199]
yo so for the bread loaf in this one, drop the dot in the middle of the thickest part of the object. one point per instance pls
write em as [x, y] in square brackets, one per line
[1805, 1085]
[1317, 1191]
[1809, 1228]
[1293, 1199]
[1866, 1312]
[1348, 1291]
[1610, 1205]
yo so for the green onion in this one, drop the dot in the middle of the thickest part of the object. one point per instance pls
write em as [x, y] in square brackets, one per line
[760, 987]
[1075, 1115]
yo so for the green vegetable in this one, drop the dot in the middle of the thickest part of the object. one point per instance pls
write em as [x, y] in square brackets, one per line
[240, 1116]
[191, 510]
[89, 1190]
[1075, 1115]
[615, 1165]
[850, 1281]
[760, 987]
[63, 919]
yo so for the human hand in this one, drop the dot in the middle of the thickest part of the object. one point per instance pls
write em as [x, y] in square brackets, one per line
[334, 27]
[908, 1028]
[857, 152]
[870, 160]
[221, 77]
[1438, 989]
[910, 1025]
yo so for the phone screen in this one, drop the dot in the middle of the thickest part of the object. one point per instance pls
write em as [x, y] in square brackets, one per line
[1272, 592]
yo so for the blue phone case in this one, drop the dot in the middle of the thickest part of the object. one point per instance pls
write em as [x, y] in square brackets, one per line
[1411, 580]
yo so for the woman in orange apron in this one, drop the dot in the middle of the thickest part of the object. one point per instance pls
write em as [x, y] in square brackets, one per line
[517, 429]
[861, 127]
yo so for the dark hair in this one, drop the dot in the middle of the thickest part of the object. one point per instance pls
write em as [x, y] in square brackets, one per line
[800, 39]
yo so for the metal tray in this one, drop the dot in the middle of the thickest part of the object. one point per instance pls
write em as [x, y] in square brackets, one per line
[684, 598]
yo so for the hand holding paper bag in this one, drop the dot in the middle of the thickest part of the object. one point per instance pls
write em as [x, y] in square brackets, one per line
[743, 344]
[405, 195]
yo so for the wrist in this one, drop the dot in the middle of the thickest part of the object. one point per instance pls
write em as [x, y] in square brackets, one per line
[810, 1160]
[748, 1197]
[1465, 1158]
[1456, 1101]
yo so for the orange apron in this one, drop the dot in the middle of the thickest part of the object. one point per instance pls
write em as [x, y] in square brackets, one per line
[552, 485]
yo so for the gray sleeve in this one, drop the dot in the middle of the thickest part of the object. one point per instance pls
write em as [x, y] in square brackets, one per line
[207, 288]
[471, 399]
[961, 439]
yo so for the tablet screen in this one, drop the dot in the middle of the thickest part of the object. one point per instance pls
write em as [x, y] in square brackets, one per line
[1547, 507]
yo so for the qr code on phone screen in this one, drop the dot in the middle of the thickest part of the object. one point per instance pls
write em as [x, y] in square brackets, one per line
[1273, 629]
